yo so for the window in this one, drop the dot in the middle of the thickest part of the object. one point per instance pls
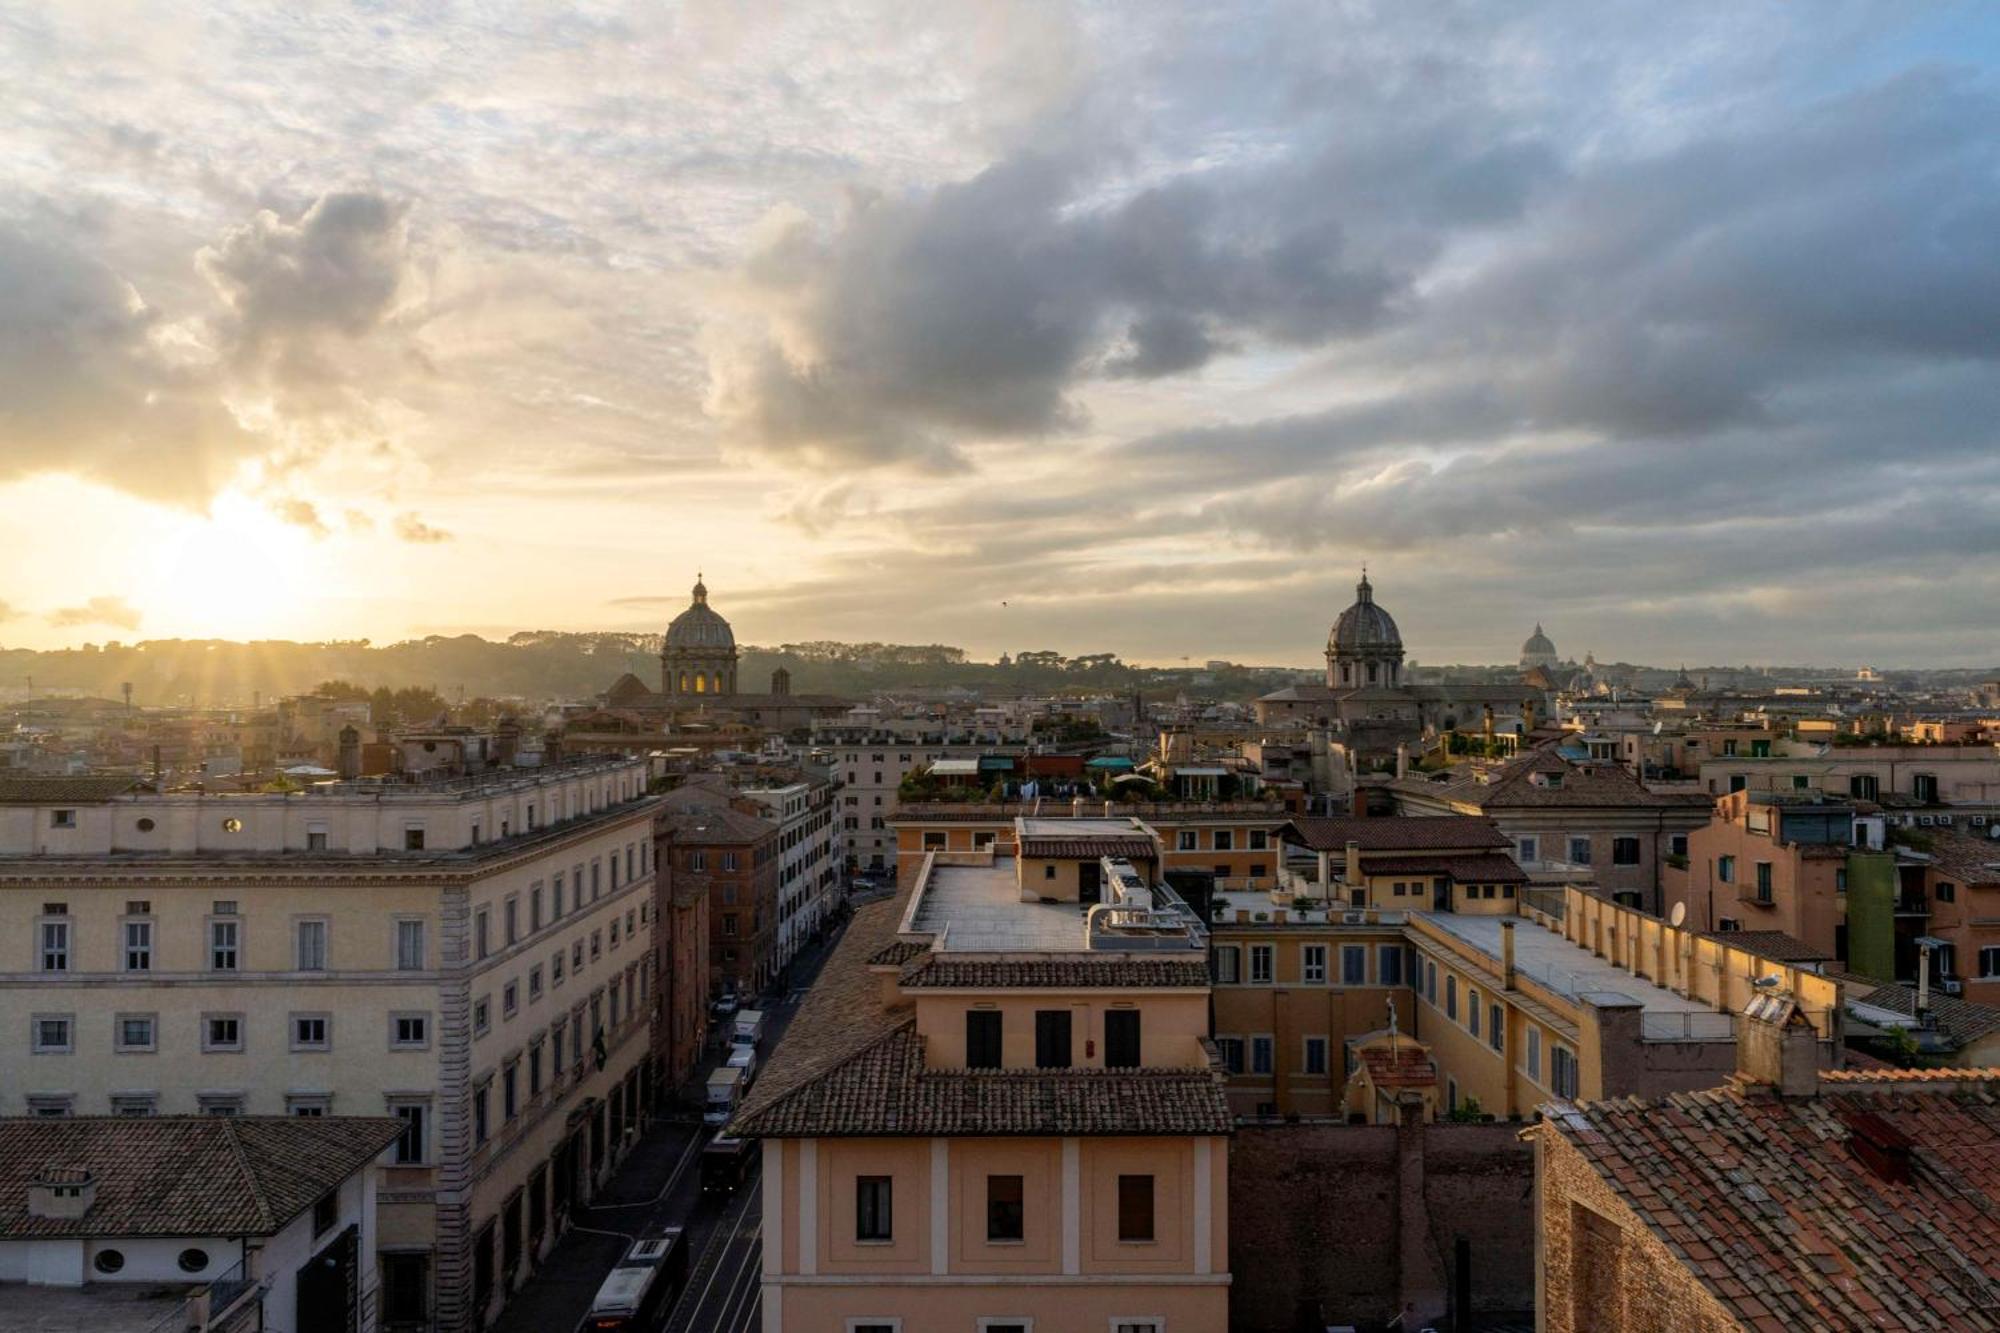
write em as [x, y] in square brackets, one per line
[1725, 869]
[1135, 1208]
[556, 967]
[406, 1284]
[1150, 1325]
[596, 945]
[1260, 840]
[326, 1211]
[1624, 851]
[138, 946]
[482, 1016]
[134, 1103]
[1528, 849]
[135, 1032]
[1185, 840]
[982, 1039]
[576, 956]
[510, 1090]
[1947, 891]
[482, 943]
[312, 946]
[1260, 963]
[1260, 1055]
[413, 837]
[223, 940]
[1763, 881]
[311, 1032]
[872, 1218]
[55, 946]
[1562, 1071]
[1389, 965]
[1004, 1220]
[1353, 964]
[1989, 961]
[54, 1034]
[1315, 1055]
[1579, 851]
[1225, 841]
[1052, 1039]
[1472, 1010]
[1451, 997]
[1121, 1039]
[1228, 964]
[535, 908]
[1431, 981]
[510, 915]
[482, 1097]
[1677, 844]
[1314, 966]
[1231, 1051]
[1531, 1062]
[49, 1104]
[1496, 1027]
[62, 819]
[410, 1032]
[555, 897]
[410, 946]
[412, 1145]
[534, 983]
[222, 1032]
[510, 999]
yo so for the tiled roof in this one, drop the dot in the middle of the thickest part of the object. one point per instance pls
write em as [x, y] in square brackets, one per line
[1775, 945]
[1510, 785]
[1398, 833]
[1966, 857]
[898, 952]
[712, 827]
[884, 1089]
[1770, 1204]
[977, 972]
[1487, 868]
[82, 789]
[1089, 848]
[1961, 1021]
[1404, 1067]
[183, 1175]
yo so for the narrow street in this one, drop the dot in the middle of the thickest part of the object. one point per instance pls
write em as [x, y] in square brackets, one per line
[659, 1185]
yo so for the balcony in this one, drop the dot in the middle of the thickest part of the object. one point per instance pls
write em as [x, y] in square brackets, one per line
[1912, 904]
[227, 1304]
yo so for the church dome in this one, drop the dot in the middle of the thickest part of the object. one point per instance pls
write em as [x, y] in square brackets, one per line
[700, 626]
[1364, 627]
[1538, 645]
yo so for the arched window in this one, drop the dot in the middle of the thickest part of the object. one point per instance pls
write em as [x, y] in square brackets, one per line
[1347, 673]
[700, 683]
[684, 683]
[1371, 673]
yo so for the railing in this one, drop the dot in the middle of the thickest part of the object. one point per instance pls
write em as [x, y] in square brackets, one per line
[1687, 1027]
[213, 1305]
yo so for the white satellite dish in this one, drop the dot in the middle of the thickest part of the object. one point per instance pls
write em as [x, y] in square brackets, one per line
[1679, 915]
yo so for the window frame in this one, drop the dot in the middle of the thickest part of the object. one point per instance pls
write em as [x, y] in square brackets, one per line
[1127, 1208]
[874, 1206]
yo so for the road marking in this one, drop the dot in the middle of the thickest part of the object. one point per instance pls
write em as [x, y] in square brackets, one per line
[720, 1240]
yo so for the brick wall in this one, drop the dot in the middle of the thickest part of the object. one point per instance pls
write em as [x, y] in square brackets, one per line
[1347, 1223]
[1602, 1270]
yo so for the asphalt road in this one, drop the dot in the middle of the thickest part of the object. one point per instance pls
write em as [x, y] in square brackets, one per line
[659, 1185]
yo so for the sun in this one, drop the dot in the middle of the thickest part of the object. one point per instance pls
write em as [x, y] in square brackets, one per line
[238, 572]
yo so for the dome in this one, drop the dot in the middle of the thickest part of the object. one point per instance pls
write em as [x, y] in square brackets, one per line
[1364, 627]
[700, 626]
[1538, 644]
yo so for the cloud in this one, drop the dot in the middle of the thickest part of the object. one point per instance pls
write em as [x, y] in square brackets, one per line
[113, 611]
[8, 612]
[410, 528]
[302, 514]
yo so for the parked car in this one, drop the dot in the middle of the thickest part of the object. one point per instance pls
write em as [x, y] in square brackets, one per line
[724, 1007]
[725, 1086]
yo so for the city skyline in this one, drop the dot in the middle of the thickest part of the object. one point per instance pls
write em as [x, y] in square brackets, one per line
[1075, 328]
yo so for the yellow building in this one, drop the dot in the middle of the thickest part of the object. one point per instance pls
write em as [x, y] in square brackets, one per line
[998, 1108]
[1236, 841]
[469, 952]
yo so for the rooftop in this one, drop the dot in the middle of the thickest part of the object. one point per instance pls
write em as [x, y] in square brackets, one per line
[96, 1307]
[1398, 833]
[978, 909]
[1875, 1204]
[1543, 956]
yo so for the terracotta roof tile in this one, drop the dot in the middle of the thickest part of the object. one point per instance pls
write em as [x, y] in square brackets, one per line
[1798, 1225]
[183, 1175]
[898, 952]
[1397, 833]
[1069, 848]
[945, 971]
[1775, 945]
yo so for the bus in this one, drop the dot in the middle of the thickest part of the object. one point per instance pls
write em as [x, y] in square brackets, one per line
[723, 1164]
[641, 1287]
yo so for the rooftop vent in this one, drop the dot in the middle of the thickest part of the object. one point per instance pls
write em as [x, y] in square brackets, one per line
[64, 1192]
[1882, 1147]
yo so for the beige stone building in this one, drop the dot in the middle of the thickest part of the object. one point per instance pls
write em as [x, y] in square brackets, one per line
[998, 1109]
[469, 951]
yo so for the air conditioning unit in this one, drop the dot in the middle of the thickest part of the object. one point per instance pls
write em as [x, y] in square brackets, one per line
[1952, 986]
[1979, 821]
[1355, 918]
[1926, 820]
[1909, 820]
[1944, 819]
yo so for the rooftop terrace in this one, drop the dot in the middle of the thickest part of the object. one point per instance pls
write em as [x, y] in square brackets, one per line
[1575, 973]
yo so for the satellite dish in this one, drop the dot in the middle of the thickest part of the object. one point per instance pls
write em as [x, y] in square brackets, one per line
[1679, 915]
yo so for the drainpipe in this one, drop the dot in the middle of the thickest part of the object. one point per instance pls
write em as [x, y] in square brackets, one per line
[1923, 979]
[1507, 955]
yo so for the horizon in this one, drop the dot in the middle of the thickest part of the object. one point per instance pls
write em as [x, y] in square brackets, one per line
[1075, 326]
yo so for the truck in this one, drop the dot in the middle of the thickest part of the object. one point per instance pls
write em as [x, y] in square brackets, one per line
[725, 1085]
[749, 1028]
[723, 1164]
[743, 1057]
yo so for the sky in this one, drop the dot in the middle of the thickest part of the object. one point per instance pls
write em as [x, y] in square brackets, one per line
[1126, 328]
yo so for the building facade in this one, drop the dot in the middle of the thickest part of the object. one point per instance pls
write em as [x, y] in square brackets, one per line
[733, 857]
[469, 952]
[812, 857]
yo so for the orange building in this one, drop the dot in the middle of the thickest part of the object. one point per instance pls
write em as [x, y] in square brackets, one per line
[998, 1109]
[1236, 841]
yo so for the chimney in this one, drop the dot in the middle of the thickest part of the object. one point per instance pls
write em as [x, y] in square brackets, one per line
[1486, 723]
[1402, 759]
[1507, 955]
[1528, 711]
[1353, 872]
[349, 763]
[63, 1193]
[1776, 1046]
[1076, 807]
[1924, 947]
[552, 746]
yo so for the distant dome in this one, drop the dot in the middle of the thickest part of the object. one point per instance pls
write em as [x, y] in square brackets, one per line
[1538, 645]
[1364, 627]
[700, 626]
